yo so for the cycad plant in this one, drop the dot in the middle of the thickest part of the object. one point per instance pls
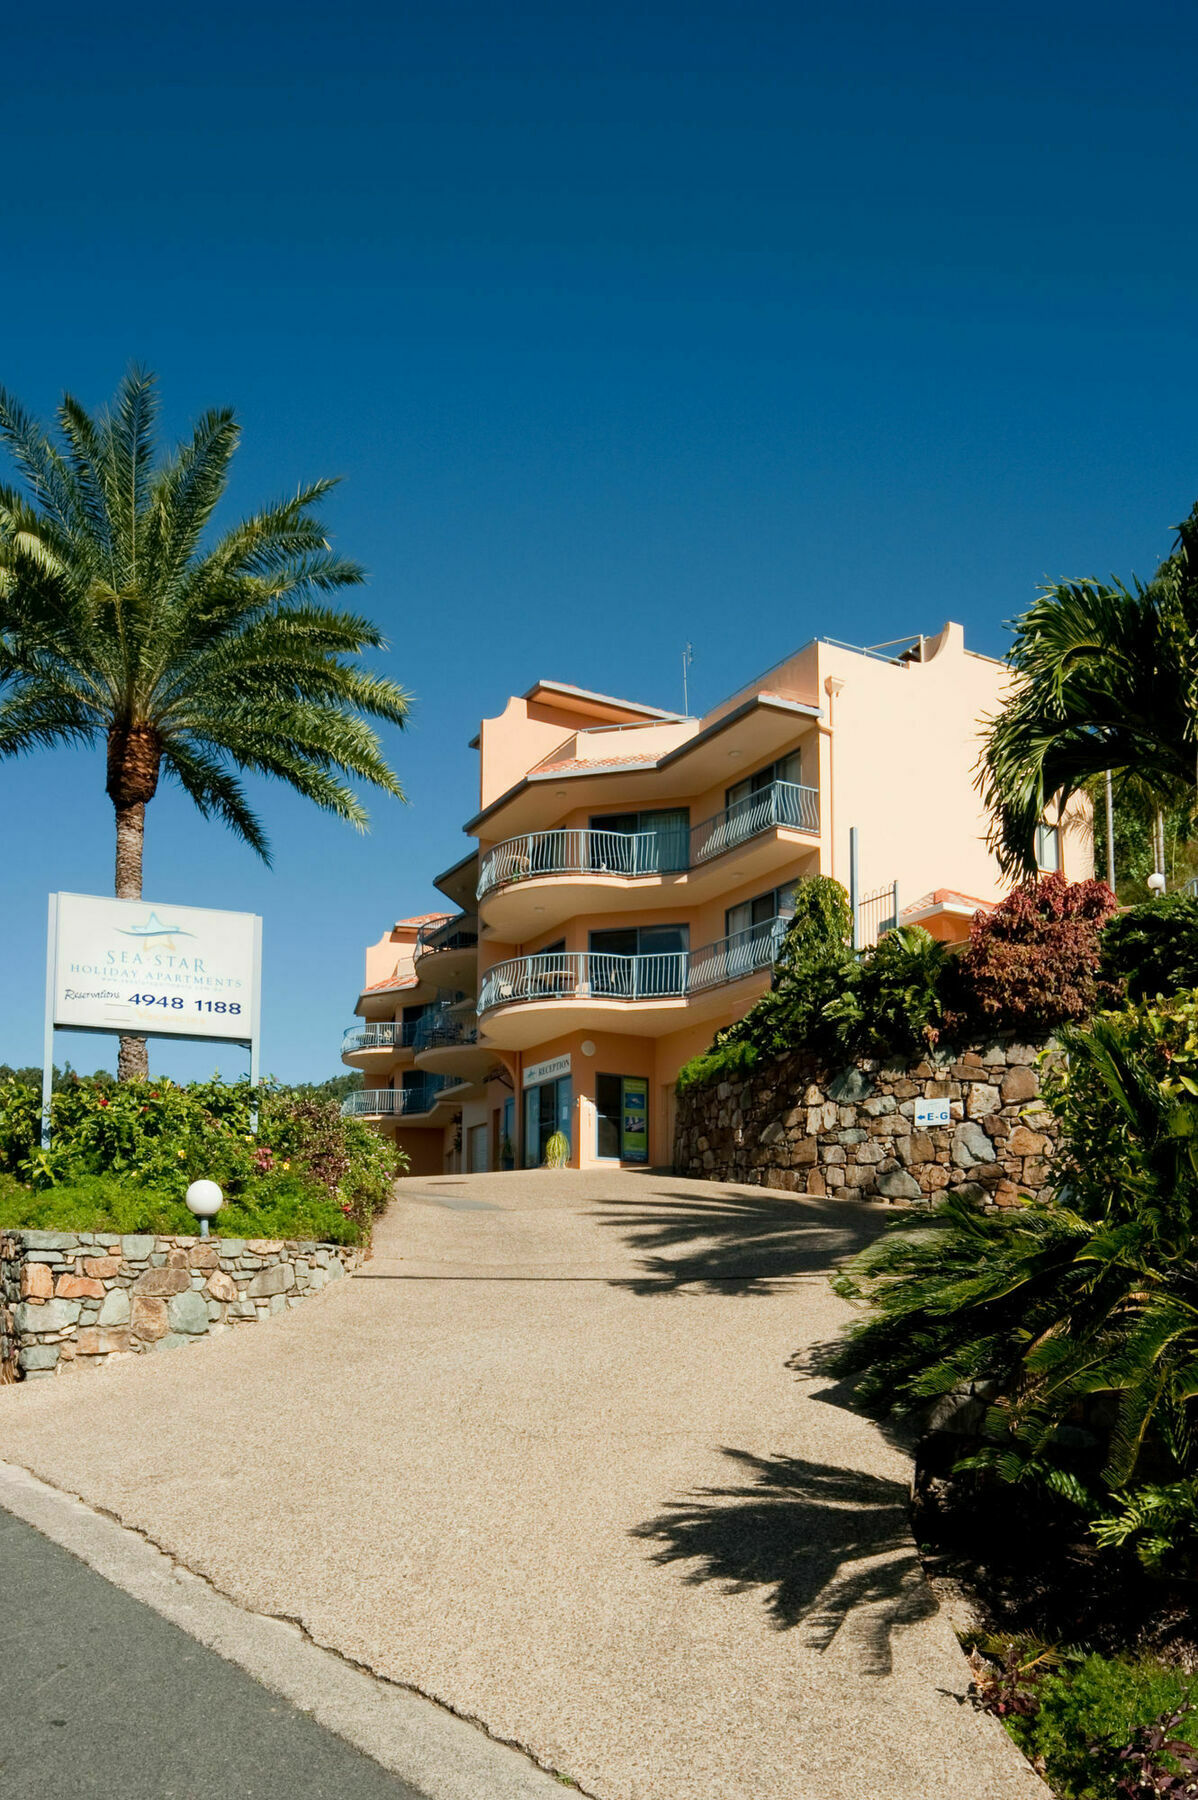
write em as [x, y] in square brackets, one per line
[123, 619]
[1074, 1322]
[1106, 678]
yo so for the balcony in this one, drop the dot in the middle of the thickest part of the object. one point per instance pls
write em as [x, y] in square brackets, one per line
[559, 874]
[447, 1042]
[590, 989]
[446, 951]
[415, 1102]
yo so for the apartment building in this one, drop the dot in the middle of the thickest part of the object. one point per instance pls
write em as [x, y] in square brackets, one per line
[630, 881]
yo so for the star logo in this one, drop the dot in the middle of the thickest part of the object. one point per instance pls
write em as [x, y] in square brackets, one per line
[154, 931]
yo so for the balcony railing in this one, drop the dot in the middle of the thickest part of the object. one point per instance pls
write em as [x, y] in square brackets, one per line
[584, 975]
[389, 1101]
[439, 1027]
[460, 933]
[781, 803]
[732, 957]
[585, 852]
[380, 1037]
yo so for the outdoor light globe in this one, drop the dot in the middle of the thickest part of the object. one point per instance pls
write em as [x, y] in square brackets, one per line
[1156, 882]
[204, 1199]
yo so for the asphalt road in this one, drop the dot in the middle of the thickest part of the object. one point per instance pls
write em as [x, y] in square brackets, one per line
[101, 1696]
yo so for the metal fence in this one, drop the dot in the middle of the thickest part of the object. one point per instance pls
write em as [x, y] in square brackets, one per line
[877, 913]
[386, 1102]
[447, 934]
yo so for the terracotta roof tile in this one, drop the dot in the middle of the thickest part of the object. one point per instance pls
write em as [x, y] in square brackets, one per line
[586, 762]
[423, 918]
[378, 987]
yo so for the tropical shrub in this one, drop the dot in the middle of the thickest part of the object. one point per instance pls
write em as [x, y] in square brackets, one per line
[1033, 963]
[154, 1137]
[1153, 949]
[1073, 1326]
[557, 1151]
[895, 999]
[722, 1062]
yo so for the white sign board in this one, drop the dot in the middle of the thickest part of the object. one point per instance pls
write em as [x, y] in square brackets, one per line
[546, 1071]
[933, 1112]
[143, 966]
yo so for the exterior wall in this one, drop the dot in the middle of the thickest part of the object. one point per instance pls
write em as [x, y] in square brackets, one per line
[851, 1133]
[76, 1299]
[425, 1148]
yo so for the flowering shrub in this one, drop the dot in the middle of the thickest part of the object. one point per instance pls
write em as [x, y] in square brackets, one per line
[156, 1136]
[1033, 963]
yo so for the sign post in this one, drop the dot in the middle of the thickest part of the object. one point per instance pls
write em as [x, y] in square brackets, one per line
[146, 969]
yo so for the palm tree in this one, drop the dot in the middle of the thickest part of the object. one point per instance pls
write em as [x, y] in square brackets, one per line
[1107, 678]
[121, 620]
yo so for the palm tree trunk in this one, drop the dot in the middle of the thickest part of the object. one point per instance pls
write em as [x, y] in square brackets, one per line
[133, 1056]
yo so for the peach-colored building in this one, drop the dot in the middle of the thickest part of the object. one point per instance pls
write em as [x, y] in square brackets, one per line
[631, 881]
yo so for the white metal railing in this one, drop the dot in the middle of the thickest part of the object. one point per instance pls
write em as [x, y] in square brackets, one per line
[781, 803]
[581, 852]
[877, 913]
[388, 1101]
[743, 953]
[368, 1037]
[584, 975]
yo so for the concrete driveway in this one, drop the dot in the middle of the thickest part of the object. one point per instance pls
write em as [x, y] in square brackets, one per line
[553, 1461]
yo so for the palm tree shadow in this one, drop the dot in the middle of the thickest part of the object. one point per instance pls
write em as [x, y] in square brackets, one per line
[731, 1242]
[830, 1547]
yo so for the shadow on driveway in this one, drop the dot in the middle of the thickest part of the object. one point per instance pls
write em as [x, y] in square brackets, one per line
[730, 1242]
[829, 1547]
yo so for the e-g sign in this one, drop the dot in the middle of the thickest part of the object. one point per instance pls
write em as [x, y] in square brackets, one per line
[143, 966]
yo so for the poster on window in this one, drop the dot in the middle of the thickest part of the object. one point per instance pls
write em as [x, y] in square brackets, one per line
[635, 1134]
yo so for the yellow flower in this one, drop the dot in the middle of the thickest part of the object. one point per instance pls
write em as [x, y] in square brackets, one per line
[180, 1153]
[286, 1165]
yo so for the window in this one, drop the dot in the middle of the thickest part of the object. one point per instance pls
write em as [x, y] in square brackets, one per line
[759, 913]
[1048, 848]
[787, 768]
[664, 841]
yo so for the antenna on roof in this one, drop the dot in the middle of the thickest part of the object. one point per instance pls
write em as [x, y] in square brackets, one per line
[688, 657]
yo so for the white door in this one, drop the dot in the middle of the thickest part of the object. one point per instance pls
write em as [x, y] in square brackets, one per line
[477, 1149]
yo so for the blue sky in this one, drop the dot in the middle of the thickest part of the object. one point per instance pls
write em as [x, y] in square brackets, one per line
[625, 326]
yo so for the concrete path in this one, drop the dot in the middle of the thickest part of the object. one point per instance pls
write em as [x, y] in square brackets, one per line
[554, 1462]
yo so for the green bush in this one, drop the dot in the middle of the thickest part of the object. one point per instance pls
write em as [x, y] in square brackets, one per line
[894, 1001]
[285, 1206]
[152, 1138]
[1087, 1712]
[1153, 948]
[723, 1062]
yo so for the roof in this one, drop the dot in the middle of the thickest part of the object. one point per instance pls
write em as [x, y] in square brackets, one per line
[578, 693]
[421, 919]
[948, 899]
[378, 987]
[607, 762]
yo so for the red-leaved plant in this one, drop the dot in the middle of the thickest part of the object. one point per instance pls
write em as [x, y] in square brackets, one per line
[1032, 964]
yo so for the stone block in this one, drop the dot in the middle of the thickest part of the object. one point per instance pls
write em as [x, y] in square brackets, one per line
[244, 1309]
[772, 1132]
[856, 1134]
[37, 1281]
[278, 1303]
[879, 1104]
[104, 1268]
[850, 1085]
[972, 1192]
[45, 1315]
[1019, 1084]
[1022, 1054]
[1036, 1172]
[1007, 1194]
[148, 1317]
[162, 1281]
[174, 1340]
[229, 1249]
[981, 1099]
[47, 1240]
[336, 1268]
[264, 1246]
[971, 1146]
[222, 1286]
[98, 1340]
[275, 1280]
[37, 1356]
[137, 1249]
[115, 1308]
[204, 1255]
[897, 1184]
[187, 1313]
[870, 1153]
[79, 1287]
[1023, 1142]
[805, 1151]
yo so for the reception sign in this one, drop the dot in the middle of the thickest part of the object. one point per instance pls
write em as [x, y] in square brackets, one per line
[151, 968]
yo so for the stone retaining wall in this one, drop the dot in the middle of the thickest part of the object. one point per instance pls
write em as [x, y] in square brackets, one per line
[79, 1298]
[852, 1133]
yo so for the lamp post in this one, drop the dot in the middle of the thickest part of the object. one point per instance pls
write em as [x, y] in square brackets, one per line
[205, 1200]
